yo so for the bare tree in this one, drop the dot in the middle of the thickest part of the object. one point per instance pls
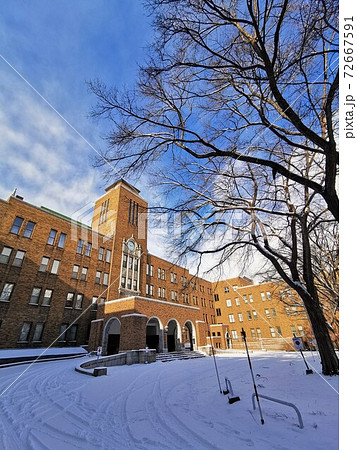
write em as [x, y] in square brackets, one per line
[235, 110]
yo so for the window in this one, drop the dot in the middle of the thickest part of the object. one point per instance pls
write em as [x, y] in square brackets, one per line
[301, 330]
[249, 314]
[259, 333]
[105, 278]
[25, 331]
[80, 246]
[255, 315]
[226, 289]
[88, 249]
[163, 274]
[159, 273]
[272, 332]
[273, 312]
[19, 257]
[79, 301]
[69, 300]
[29, 229]
[159, 292]
[240, 317]
[235, 288]
[37, 335]
[151, 289]
[61, 240]
[228, 302]
[51, 237]
[163, 292]
[103, 216]
[245, 299]
[101, 253]
[237, 301]
[267, 313]
[234, 334]
[268, 295]
[47, 297]
[75, 271]
[5, 255]
[231, 318]
[287, 310]
[216, 297]
[171, 277]
[108, 256]
[55, 266]
[84, 273]
[94, 306]
[72, 332]
[62, 332]
[15, 229]
[278, 329]
[262, 294]
[6, 292]
[147, 289]
[98, 274]
[35, 296]
[44, 264]
[250, 298]
[252, 332]
[218, 312]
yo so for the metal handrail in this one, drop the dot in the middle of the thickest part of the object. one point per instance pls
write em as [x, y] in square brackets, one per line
[291, 405]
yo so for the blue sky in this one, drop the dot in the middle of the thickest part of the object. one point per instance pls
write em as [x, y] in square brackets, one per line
[56, 47]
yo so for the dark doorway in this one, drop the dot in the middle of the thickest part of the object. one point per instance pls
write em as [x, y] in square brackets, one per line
[153, 342]
[113, 344]
[171, 345]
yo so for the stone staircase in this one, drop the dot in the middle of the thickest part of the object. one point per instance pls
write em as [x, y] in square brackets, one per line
[174, 356]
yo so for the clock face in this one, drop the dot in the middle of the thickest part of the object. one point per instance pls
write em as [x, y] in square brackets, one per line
[131, 245]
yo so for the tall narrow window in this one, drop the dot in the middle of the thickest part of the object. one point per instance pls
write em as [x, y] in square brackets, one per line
[35, 296]
[80, 246]
[55, 266]
[75, 271]
[19, 257]
[98, 274]
[94, 306]
[62, 332]
[5, 255]
[231, 318]
[69, 300]
[88, 249]
[105, 278]
[72, 332]
[108, 256]
[29, 229]
[52, 237]
[61, 240]
[37, 335]
[25, 332]
[47, 297]
[6, 292]
[84, 273]
[44, 264]
[101, 253]
[129, 218]
[15, 229]
[79, 301]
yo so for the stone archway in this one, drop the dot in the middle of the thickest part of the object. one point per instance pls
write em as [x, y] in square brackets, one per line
[111, 337]
[173, 336]
[189, 339]
[154, 334]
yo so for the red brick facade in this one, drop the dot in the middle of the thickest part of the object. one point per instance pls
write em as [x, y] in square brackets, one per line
[99, 285]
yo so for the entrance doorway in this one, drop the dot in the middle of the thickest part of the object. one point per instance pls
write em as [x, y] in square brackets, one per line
[173, 342]
[111, 338]
[154, 334]
[189, 336]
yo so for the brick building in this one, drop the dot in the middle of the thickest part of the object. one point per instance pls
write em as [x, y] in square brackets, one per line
[65, 283]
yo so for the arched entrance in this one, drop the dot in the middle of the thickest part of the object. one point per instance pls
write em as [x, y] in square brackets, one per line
[111, 337]
[154, 338]
[173, 335]
[189, 336]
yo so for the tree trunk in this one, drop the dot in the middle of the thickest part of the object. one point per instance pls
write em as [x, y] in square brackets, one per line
[329, 360]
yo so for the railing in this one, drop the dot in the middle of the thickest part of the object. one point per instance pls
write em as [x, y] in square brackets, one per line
[282, 402]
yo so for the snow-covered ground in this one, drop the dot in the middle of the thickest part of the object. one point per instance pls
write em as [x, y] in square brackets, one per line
[174, 405]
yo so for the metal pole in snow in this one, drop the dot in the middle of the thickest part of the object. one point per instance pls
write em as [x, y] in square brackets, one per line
[251, 371]
[214, 359]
